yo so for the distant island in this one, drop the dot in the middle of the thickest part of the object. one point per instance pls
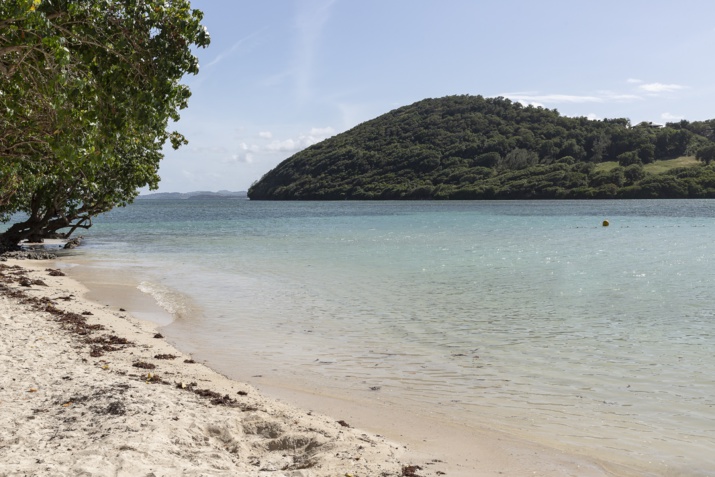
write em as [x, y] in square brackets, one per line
[222, 194]
[471, 147]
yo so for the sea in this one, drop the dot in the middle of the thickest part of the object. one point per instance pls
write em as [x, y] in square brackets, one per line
[528, 317]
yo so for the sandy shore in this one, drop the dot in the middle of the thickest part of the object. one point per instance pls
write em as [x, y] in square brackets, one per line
[87, 389]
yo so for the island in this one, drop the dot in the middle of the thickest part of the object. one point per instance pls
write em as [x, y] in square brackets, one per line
[472, 147]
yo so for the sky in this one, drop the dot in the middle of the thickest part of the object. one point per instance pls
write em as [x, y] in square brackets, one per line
[281, 75]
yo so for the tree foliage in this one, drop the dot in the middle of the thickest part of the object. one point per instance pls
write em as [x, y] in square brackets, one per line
[87, 88]
[470, 147]
[706, 153]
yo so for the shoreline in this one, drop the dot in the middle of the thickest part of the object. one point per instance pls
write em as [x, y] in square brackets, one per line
[74, 401]
[438, 449]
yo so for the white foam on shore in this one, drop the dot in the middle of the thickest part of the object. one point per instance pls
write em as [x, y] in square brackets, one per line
[177, 304]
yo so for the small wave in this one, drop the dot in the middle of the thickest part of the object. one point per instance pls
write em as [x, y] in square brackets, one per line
[172, 301]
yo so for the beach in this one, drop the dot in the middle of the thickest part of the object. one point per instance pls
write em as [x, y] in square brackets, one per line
[88, 389]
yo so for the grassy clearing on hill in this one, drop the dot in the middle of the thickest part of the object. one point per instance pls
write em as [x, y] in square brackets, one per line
[663, 166]
[656, 167]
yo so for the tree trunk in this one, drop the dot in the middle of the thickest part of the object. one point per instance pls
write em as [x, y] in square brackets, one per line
[10, 239]
[37, 229]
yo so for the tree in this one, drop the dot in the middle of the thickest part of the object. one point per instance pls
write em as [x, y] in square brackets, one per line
[634, 173]
[87, 88]
[519, 159]
[601, 143]
[629, 158]
[706, 154]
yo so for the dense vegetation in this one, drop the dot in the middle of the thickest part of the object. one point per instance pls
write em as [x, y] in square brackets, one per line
[87, 88]
[470, 147]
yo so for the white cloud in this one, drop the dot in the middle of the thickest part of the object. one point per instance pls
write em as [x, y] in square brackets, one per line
[593, 117]
[671, 117]
[611, 96]
[538, 99]
[240, 158]
[323, 132]
[288, 145]
[244, 155]
[633, 81]
[265, 134]
[301, 142]
[660, 87]
[529, 98]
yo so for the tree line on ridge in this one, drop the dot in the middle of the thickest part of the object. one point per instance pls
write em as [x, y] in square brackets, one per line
[471, 147]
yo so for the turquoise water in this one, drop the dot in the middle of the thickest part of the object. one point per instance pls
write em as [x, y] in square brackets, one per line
[528, 317]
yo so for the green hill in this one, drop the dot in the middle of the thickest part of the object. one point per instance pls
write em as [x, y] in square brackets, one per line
[470, 147]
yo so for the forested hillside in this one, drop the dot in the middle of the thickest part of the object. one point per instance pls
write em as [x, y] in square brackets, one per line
[470, 147]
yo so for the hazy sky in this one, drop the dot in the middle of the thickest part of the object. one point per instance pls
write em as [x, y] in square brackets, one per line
[281, 75]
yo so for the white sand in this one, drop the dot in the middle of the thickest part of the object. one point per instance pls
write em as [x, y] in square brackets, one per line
[66, 413]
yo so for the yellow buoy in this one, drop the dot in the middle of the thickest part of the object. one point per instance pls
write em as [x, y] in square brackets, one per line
[606, 223]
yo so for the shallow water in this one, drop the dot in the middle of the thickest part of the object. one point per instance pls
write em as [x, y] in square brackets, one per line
[528, 317]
